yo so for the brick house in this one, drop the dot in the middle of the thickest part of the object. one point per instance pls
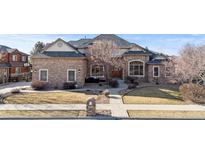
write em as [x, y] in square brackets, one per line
[13, 64]
[62, 61]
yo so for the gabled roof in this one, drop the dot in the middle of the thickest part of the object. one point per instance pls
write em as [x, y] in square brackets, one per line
[82, 43]
[46, 54]
[114, 38]
[16, 50]
[5, 49]
[59, 39]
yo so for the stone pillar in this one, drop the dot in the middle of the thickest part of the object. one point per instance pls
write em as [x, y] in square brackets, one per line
[91, 107]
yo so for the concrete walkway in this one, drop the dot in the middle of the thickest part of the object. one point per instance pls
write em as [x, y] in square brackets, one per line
[118, 109]
[15, 85]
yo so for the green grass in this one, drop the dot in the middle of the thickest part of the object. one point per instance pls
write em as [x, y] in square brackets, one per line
[166, 114]
[154, 95]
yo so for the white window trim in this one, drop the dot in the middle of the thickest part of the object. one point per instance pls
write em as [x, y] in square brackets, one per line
[91, 75]
[40, 74]
[68, 75]
[158, 71]
[23, 58]
[143, 68]
[14, 59]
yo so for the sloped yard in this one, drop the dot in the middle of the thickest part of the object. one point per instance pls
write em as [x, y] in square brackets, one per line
[49, 97]
[166, 114]
[154, 95]
[49, 113]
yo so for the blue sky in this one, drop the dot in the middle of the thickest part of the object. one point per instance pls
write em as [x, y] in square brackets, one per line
[165, 43]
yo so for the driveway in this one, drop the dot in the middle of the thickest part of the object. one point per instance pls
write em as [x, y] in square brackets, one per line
[15, 85]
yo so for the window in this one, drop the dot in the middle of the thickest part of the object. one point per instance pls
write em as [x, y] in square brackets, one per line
[71, 75]
[43, 75]
[18, 70]
[167, 71]
[136, 68]
[23, 58]
[97, 71]
[156, 72]
[14, 57]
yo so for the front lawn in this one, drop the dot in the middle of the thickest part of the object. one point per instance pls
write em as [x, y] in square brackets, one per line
[49, 97]
[154, 95]
[49, 113]
[166, 114]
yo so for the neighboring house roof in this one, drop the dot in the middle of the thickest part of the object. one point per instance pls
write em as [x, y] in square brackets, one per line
[16, 50]
[63, 54]
[4, 48]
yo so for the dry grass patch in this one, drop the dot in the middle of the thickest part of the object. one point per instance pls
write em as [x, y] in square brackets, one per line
[166, 114]
[49, 97]
[154, 95]
[48, 113]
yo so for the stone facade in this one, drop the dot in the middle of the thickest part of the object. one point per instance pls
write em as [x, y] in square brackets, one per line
[143, 58]
[59, 56]
[57, 70]
[161, 78]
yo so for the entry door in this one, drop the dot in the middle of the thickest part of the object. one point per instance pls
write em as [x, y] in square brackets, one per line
[117, 73]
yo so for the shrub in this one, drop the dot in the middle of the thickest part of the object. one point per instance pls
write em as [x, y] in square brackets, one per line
[113, 83]
[39, 85]
[193, 92]
[136, 82]
[69, 85]
[130, 79]
[131, 86]
[92, 80]
[15, 91]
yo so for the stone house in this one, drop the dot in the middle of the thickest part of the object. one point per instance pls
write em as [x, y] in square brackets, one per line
[62, 61]
[13, 64]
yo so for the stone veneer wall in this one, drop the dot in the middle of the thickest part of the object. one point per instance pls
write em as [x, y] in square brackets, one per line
[144, 58]
[161, 78]
[57, 70]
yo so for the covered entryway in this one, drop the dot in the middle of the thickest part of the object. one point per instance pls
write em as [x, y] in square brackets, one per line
[117, 73]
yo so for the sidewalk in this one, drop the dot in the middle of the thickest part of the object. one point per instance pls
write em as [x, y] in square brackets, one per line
[15, 85]
[118, 109]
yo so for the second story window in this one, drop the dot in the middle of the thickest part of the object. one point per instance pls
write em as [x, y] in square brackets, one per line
[23, 58]
[14, 57]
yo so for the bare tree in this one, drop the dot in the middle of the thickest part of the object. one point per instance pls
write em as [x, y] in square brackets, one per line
[191, 63]
[106, 53]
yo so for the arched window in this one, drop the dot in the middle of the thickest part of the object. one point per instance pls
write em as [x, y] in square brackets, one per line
[97, 70]
[136, 68]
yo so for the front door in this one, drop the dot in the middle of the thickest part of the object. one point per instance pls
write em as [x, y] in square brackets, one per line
[117, 73]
